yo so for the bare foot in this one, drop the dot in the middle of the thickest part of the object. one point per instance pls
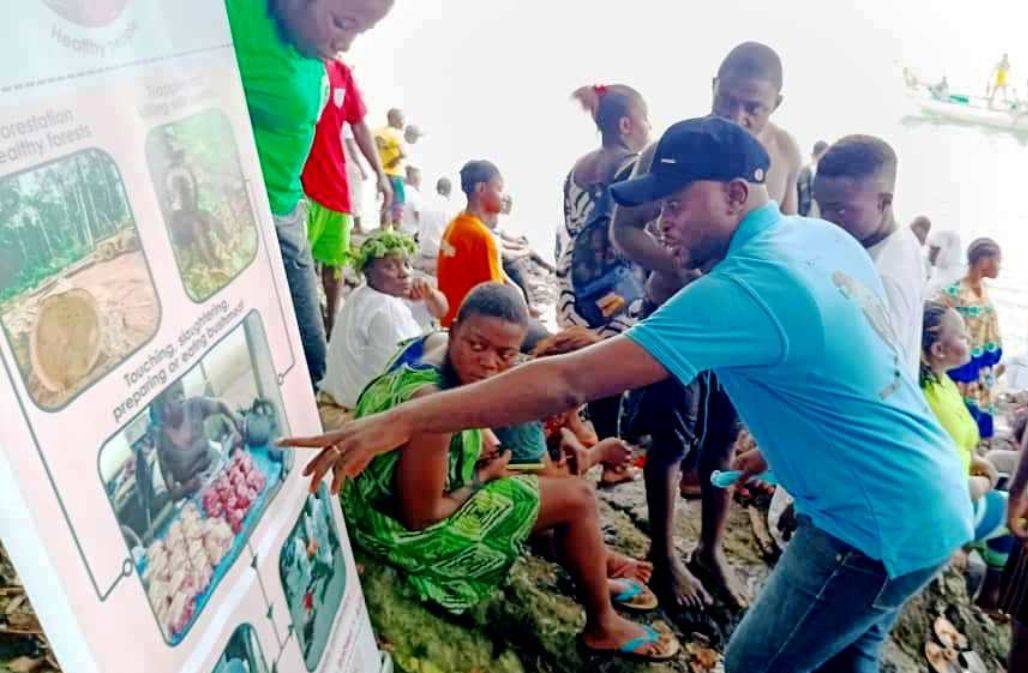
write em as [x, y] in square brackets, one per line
[615, 476]
[618, 631]
[676, 587]
[612, 452]
[620, 566]
[716, 574]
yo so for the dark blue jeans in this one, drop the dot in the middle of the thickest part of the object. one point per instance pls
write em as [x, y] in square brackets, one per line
[303, 286]
[826, 608]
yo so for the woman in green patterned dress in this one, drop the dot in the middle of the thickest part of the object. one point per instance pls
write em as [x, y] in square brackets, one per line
[454, 518]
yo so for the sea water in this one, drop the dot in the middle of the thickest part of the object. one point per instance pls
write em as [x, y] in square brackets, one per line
[493, 80]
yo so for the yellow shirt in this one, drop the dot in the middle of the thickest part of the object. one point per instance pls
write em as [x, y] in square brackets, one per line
[948, 404]
[390, 150]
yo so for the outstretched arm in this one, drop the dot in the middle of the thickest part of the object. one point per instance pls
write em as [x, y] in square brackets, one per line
[531, 391]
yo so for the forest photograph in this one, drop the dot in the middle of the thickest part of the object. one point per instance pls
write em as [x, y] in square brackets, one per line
[76, 294]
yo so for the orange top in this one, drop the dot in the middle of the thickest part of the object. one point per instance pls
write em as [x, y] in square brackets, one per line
[468, 256]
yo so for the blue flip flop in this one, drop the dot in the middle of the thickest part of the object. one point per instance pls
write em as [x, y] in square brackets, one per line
[635, 589]
[651, 636]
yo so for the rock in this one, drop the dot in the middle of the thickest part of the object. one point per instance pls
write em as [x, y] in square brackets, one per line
[532, 624]
[947, 595]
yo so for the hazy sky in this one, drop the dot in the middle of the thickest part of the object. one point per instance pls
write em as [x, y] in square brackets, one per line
[492, 78]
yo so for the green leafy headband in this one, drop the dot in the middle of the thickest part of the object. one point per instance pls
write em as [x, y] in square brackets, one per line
[382, 244]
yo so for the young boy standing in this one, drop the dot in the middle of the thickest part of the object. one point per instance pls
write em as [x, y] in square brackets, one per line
[327, 184]
[747, 90]
[854, 189]
[280, 48]
[469, 254]
[393, 151]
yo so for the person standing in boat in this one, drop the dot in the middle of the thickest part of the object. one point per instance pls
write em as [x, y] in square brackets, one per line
[1000, 77]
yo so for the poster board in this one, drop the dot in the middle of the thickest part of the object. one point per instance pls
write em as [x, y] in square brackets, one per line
[150, 359]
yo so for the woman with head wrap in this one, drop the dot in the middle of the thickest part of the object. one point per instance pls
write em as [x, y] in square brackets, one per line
[378, 316]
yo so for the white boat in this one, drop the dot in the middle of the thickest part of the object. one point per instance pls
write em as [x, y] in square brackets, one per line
[1009, 115]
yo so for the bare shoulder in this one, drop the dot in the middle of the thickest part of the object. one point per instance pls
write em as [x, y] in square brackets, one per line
[585, 164]
[786, 149]
[436, 345]
[645, 160]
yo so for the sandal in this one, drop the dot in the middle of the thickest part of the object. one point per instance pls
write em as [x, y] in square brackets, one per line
[941, 659]
[668, 647]
[636, 596]
[972, 662]
[947, 634]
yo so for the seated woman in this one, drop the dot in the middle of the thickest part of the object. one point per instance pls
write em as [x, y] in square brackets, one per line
[453, 523]
[377, 316]
[945, 345]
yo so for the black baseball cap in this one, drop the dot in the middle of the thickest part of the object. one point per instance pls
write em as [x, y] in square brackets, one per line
[708, 148]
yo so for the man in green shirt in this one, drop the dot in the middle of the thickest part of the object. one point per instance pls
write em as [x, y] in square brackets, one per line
[281, 46]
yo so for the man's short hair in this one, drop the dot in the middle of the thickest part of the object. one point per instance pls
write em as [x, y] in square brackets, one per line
[859, 157]
[820, 147]
[495, 300]
[475, 173]
[753, 60]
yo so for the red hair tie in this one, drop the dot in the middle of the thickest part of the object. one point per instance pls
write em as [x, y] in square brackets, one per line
[600, 89]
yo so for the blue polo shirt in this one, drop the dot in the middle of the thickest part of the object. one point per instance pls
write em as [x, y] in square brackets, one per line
[794, 323]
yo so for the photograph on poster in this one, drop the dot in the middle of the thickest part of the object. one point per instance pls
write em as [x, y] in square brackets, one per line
[76, 294]
[194, 165]
[313, 571]
[243, 654]
[191, 475]
[88, 13]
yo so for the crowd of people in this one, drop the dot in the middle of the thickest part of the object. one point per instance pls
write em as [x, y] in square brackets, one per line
[712, 287]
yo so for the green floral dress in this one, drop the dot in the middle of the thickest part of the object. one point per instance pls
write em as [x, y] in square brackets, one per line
[462, 559]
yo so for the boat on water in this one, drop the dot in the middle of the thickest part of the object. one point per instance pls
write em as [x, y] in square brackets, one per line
[936, 101]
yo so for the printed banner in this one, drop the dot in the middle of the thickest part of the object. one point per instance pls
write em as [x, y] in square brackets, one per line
[151, 359]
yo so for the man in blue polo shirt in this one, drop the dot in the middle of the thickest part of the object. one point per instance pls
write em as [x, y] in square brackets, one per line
[790, 315]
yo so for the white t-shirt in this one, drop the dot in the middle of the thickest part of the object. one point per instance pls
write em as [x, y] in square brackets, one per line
[412, 201]
[368, 328]
[900, 263]
[435, 215]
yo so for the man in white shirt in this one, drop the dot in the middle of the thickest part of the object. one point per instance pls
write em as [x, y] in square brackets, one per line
[413, 202]
[436, 211]
[854, 189]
